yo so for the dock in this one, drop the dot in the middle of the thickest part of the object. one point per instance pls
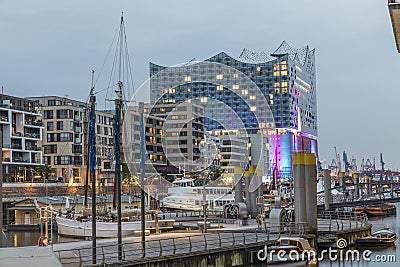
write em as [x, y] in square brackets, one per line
[232, 245]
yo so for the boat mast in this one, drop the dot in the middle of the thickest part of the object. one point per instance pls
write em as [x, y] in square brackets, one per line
[86, 204]
[92, 139]
[118, 154]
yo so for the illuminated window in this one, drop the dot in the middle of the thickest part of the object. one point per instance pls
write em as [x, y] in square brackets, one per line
[277, 90]
[188, 89]
[276, 73]
[271, 102]
[203, 100]
[276, 84]
[253, 97]
[235, 86]
[220, 87]
[245, 92]
[284, 73]
[284, 90]
[258, 68]
[235, 75]
[284, 84]
[271, 96]
[165, 91]
[283, 65]
[220, 76]
[253, 108]
[276, 66]
[171, 91]
[188, 78]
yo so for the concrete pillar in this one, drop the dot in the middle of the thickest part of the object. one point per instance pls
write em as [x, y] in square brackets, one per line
[356, 182]
[299, 187]
[327, 188]
[238, 184]
[310, 172]
[246, 190]
[253, 191]
[391, 186]
[368, 184]
[342, 180]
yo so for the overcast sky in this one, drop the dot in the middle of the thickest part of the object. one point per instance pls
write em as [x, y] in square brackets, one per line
[49, 47]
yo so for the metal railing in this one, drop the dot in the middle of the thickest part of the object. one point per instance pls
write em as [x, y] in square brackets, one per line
[333, 221]
[107, 254]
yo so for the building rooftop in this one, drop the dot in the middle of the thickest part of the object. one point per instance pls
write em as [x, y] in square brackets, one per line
[394, 11]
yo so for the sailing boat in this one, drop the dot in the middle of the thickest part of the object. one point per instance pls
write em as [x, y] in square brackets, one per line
[104, 225]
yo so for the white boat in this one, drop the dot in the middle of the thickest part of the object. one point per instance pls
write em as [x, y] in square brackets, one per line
[183, 195]
[83, 228]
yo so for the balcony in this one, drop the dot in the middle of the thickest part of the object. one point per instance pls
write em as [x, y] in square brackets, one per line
[32, 135]
[77, 129]
[34, 123]
[4, 119]
[34, 148]
[20, 159]
[16, 146]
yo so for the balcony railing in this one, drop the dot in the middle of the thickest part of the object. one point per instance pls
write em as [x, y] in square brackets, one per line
[16, 146]
[34, 123]
[32, 135]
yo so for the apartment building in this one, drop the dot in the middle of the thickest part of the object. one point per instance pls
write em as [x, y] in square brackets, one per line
[65, 134]
[22, 133]
[173, 134]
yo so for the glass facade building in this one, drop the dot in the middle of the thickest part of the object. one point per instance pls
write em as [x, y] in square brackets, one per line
[285, 78]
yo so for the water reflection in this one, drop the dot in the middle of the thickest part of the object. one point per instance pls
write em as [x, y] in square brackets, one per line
[30, 238]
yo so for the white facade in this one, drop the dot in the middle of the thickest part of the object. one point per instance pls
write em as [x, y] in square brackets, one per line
[22, 132]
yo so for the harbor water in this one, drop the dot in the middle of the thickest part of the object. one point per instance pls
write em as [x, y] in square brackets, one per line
[380, 256]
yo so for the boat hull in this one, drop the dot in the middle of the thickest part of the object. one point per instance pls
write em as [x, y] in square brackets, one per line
[82, 229]
[74, 228]
[372, 242]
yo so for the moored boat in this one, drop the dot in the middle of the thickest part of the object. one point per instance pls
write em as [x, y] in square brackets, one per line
[81, 228]
[383, 237]
[184, 195]
[290, 251]
[377, 210]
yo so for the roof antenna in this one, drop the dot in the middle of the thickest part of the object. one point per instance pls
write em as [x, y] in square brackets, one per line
[2, 90]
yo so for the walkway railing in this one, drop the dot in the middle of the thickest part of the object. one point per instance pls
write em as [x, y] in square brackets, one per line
[107, 254]
[340, 220]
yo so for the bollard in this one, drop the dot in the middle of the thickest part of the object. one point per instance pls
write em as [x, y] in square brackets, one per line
[238, 184]
[310, 174]
[246, 191]
[369, 185]
[356, 182]
[342, 180]
[299, 189]
[327, 188]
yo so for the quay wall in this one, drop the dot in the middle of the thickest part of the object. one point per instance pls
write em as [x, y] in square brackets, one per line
[240, 255]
